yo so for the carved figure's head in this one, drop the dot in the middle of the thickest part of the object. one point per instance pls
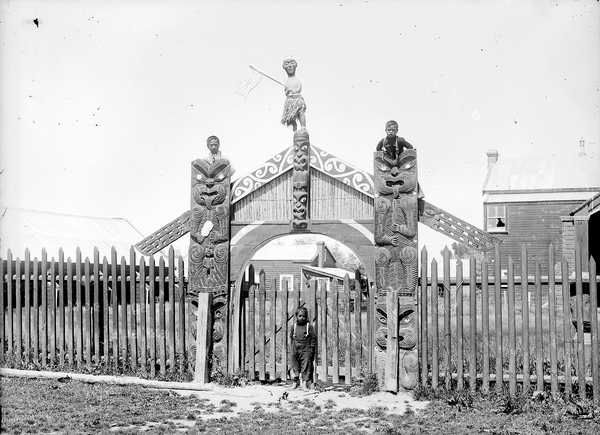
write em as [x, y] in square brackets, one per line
[393, 176]
[290, 65]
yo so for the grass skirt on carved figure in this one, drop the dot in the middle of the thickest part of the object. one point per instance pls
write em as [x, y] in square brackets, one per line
[294, 105]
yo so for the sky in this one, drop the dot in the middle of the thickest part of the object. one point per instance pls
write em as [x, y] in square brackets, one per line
[104, 104]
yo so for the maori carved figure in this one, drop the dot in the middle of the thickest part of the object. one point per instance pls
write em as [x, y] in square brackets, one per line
[300, 180]
[396, 218]
[209, 244]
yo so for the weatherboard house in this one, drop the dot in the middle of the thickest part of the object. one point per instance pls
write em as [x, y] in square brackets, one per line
[298, 264]
[538, 201]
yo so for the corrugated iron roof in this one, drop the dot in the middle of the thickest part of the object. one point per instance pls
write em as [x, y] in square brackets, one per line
[36, 230]
[543, 173]
[288, 253]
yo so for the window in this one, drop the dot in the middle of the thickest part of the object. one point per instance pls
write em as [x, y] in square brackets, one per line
[289, 279]
[496, 218]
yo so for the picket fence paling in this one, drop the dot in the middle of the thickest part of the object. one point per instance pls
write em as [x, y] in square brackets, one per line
[82, 312]
[507, 339]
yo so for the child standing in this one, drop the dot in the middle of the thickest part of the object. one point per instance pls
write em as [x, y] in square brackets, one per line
[304, 343]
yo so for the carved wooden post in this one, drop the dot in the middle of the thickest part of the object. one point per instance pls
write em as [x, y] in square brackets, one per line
[209, 262]
[301, 181]
[396, 272]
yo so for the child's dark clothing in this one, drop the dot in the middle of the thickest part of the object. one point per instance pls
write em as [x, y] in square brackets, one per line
[304, 343]
[393, 147]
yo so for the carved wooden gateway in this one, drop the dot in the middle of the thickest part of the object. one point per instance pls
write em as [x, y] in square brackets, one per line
[305, 189]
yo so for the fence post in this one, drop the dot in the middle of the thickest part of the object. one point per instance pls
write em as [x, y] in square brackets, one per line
[459, 325]
[61, 306]
[473, 323]
[498, 318]
[423, 329]
[579, 316]
[567, 327]
[2, 308]
[512, 335]
[447, 320]
[539, 354]
[435, 369]
[19, 310]
[347, 331]
[261, 325]
[273, 329]
[9, 303]
[143, 342]
[323, 294]
[552, 321]
[485, 324]
[284, 328]
[525, 318]
[27, 331]
[594, 331]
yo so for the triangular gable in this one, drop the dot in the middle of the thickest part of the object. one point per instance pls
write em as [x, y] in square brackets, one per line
[320, 160]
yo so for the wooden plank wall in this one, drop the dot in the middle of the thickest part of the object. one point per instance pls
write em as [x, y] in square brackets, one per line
[509, 332]
[271, 202]
[69, 314]
[332, 199]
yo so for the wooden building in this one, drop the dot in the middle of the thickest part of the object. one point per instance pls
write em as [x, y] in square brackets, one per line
[298, 264]
[530, 200]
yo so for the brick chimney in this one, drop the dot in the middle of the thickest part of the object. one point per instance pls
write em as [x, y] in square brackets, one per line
[492, 157]
[321, 254]
[581, 148]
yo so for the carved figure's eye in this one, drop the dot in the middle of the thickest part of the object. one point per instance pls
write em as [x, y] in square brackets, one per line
[409, 164]
[383, 168]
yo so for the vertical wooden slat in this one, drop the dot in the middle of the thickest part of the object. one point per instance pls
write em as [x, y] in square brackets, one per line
[172, 305]
[251, 332]
[52, 311]
[115, 307]
[152, 319]
[27, 332]
[296, 296]
[9, 302]
[498, 318]
[566, 328]
[447, 320]
[36, 312]
[391, 360]
[472, 323]
[182, 300]
[123, 316]
[525, 319]
[142, 296]
[70, 308]
[335, 332]
[347, 335]
[579, 315]
[61, 307]
[284, 328]
[19, 311]
[552, 321]
[539, 333]
[261, 325]
[314, 319]
[133, 321]
[594, 331]
[424, 332]
[88, 313]
[512, 337]
[370, 327]
[78, 322]
[459, 326]
[105, 310]
[96, 298]
[2, 309]
[161, 336]
[485, 325]
[44, 310]
[357, 327]
[435, 368]
[323, 340]
[272, 329]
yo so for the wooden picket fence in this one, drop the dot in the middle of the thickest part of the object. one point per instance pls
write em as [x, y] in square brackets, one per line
[341, 317]
[68, 314]
[516, 332]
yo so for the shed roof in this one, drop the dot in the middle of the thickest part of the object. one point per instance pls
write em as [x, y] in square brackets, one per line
[304, 253]
[36, 230]
[543, 174]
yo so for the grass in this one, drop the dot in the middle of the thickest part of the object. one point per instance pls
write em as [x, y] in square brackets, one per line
[44, 406]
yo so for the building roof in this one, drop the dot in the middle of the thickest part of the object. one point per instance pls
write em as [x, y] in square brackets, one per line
[543, 174]
[301, 253]
[36, 230]
[330, 272]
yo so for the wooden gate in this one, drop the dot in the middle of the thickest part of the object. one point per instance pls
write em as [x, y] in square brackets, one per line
[341, 315]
